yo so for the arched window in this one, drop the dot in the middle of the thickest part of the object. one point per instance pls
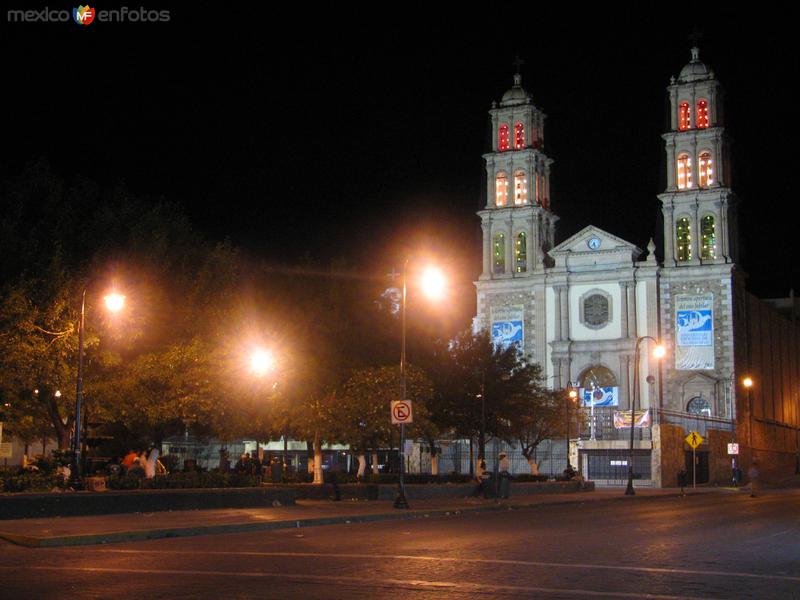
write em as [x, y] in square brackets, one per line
[519, 136]
[503, 144]
[683, 239]
[501, 189]
[598, 384]
[684, 171]
[705, 169]
[520, 188]
[708, 236]
[521, 252]
[499, 253]
[702, 114]
[699, 406]
[685, 117]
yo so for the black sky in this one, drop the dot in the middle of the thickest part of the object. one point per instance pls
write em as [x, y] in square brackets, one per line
[340, 134]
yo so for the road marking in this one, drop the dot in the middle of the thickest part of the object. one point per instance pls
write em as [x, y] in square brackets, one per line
[361, 582]
[492, 561]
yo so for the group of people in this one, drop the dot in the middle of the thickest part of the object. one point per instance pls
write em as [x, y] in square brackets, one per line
[143, 465]
[483, 477]
[251, 464]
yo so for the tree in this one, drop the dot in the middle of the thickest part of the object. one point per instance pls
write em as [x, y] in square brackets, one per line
[364, 420]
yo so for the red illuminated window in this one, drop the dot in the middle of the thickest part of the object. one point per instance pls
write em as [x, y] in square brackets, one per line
[519, 136]
[702, 114]
[503, 144]
[685, 116]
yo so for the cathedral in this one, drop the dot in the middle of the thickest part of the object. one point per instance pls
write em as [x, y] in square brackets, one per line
[593, 309]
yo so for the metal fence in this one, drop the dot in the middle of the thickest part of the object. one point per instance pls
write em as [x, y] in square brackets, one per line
[551, 456]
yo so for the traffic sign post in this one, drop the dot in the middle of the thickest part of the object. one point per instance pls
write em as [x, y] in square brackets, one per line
[402, 412]
[694, 439]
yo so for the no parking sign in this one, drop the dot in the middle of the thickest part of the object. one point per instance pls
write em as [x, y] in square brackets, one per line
[401, 412]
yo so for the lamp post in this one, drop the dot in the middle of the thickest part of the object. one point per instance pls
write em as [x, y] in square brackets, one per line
[570, 397]
[432, 283]
[658, 353]
[114, 303]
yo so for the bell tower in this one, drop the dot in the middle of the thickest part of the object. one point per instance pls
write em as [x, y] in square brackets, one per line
[698, 205]
[518, 227]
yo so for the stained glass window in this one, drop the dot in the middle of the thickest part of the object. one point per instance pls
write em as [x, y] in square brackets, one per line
[699, 406]
[683, 239]
[595, 310]
[702, 114]
[709, 237]
[499, 253]
[684, 172]
[705, 170]
[503, 144]
[501, 189]
[519, 136]
[685, 116]
[521, 253]
[520, 188]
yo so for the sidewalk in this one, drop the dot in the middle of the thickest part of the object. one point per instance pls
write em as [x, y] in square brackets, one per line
[76, 531]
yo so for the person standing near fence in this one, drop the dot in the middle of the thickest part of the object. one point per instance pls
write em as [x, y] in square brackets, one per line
[505, 476]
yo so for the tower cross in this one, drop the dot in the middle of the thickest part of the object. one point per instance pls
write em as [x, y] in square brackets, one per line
[518, 62]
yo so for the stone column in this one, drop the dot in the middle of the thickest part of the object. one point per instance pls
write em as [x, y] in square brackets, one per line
[670, 149]
[633, 329]
[557, 307]
[565, 332]
[623, 309]
[487, 248]
[509, 247]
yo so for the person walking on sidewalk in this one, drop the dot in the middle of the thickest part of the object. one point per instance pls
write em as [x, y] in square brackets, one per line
[752, 475]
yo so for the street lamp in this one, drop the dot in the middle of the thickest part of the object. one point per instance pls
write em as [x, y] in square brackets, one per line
[114, 303]
[658, 353]
[432, 284]
[570, 398]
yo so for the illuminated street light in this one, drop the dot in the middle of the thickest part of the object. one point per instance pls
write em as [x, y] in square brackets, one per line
[262, 362]
[433, 286]
[658, 353]
[433, 283]
[114, 303]
[747, 382]
[571, 397]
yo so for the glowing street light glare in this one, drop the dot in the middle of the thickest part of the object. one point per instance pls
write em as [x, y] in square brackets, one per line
[573, 394]
[261, 362]
[432, 283]
[659, 351]
[747, 382]
[115, 302]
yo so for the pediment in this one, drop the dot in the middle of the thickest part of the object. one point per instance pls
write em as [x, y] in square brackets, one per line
[601, 242]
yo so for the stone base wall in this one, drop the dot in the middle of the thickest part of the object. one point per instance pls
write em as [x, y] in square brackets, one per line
[673, 459]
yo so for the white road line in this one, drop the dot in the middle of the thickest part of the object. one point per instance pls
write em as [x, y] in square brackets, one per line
[416, 584]
[491, 561]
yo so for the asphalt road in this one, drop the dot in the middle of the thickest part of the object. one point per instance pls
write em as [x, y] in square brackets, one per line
[705, 546]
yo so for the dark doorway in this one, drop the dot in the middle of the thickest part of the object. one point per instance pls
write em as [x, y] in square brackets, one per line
[701, 464]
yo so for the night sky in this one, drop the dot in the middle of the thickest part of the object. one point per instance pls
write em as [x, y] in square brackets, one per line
[358, 133]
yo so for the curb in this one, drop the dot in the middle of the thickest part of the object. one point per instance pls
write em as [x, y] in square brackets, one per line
[174, 532]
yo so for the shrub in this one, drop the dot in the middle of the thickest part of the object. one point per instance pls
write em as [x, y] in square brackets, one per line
[31, 482]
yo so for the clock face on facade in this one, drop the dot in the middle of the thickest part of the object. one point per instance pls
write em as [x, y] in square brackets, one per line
[593, 243]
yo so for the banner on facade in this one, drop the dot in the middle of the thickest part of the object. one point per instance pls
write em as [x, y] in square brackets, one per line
[601, 396]
[622, 419]
[694, 332]
[508, 326]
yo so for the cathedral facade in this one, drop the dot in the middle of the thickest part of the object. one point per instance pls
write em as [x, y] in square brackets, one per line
[592, 308]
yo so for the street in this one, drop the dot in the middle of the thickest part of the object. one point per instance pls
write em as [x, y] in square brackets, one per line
[725, 545]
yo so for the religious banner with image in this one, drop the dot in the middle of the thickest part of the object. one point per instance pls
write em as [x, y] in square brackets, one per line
[622, 419]
[600, 396]
[694, 332]
[507, 326]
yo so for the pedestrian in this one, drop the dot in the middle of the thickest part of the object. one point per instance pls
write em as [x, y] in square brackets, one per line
[136, 470]
[505, 476]
[127, 462]
[276, 470]
[255, 464]
[753, 475]
[569, 473]
[481, 478]
[242, 466]
[150, 465]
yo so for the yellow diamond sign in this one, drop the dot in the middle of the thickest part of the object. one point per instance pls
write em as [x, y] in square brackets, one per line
[694, 439]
